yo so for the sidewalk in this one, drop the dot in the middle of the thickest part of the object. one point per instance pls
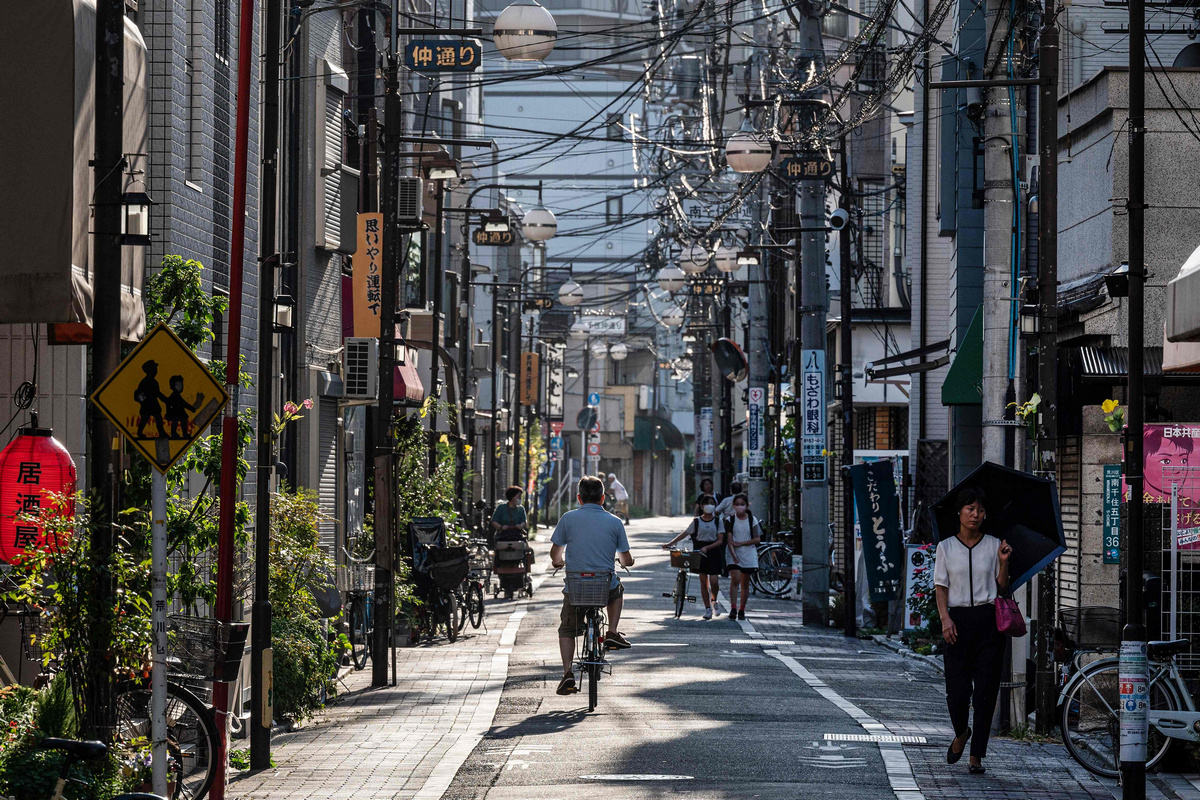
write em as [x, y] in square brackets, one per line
[906, 696]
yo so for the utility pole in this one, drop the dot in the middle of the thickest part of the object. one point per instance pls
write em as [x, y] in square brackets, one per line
[439, 280]
[585, 435]
[103, 453]
[846, 280]
[1047, 341]
[726, 410]
[494, 444]
[1133, 638]
[385, 534]
[758, 350]
[260, 655]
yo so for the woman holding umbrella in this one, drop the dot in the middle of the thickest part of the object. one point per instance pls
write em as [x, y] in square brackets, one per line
[970, 570]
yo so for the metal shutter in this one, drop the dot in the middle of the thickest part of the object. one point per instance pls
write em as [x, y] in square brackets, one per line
[1070, 498]
[331, 171]
[327, 486]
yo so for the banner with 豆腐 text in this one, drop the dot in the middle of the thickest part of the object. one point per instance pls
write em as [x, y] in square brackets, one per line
[879, 520]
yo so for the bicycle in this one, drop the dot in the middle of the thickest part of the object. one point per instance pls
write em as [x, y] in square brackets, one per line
[774, 575]
[358, 609]
[686, 561]
[469, 594]
[81, 750]
[588, 591]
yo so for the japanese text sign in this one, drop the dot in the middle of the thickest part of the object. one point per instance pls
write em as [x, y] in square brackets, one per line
[492, 238]
[1168, 450]
[704, 439]
[529, 378]
[556, 354]
[812, 404]
[368, 275]
[442, 55]
[807, 166]
[161, 397]
[1112, 513]
[879, 520]
[756, 429]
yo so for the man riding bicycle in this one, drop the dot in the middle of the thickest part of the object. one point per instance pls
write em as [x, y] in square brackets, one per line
[591, 538]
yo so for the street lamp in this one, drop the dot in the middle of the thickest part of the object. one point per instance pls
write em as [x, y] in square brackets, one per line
[570, 294]
[747, 258]
[673, 317]
[442, 167]
[695, 258]
[525, 31]
[135, 218]
[496, 222]
[748, 151]
[539, 223]
[726, 258]
[671, 278]
[619, 351]
[599, 350]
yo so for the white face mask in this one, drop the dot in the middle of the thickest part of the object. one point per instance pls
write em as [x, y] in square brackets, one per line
[708, 509]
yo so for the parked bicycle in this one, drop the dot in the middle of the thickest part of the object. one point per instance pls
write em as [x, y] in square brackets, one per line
[75, 751]
[774, 575]
[469, 594]
[686, 561]
[358, 608]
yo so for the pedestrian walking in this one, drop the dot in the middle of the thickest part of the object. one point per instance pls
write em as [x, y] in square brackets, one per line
[510, 515]
[707, 539]
[743, 533]
[970, 570]
[620, 497]
[725, 506]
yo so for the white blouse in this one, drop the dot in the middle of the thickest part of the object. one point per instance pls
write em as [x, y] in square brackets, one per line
[968, 572]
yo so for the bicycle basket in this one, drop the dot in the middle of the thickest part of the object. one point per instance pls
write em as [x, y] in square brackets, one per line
[588, 588]
[448, 566]
[33, 632]
[205, 648]
[689, 559]
[1091, 627]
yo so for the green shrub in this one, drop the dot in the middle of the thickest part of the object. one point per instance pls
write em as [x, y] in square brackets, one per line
[303, 662]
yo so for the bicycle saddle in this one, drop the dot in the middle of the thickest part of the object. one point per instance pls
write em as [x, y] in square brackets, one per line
[1167, 648]
[82, 750]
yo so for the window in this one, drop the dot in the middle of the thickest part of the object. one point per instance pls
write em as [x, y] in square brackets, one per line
[615, 131]
[221, 30]
[613, 209]
[336, 184]
[193, 55]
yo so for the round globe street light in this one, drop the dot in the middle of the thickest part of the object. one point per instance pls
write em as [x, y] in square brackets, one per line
[570, 294]
[599, 350]
[748, 150]
[695, 258]
[539, 223]
[673, 317]
[619, 351]
[671, 278]
[726, 258]
[525, 31]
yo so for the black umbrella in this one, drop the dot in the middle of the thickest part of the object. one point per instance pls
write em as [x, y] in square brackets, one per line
[1022, 509]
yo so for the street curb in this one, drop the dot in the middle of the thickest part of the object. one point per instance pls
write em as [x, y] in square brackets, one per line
[897, 647]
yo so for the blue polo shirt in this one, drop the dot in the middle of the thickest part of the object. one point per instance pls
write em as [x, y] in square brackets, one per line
[593, 537]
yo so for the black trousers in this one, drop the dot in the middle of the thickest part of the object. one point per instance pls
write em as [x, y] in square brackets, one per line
[973, 665]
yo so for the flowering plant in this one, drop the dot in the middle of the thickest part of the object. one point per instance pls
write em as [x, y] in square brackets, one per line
[291, 413]
[1027, 412]
[1113, 415]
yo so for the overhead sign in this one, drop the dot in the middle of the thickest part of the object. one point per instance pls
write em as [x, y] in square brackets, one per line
[556, 356]
[161, 397]
[807, 166]
[443, 55]
[596, 325]
[529, 378]
[492, 238]
[756, 430]
[367, 279]
[879, 521]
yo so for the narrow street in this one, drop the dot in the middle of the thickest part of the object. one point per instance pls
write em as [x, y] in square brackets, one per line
[712, 709]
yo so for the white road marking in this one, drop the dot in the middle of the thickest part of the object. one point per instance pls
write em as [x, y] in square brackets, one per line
[636, 777]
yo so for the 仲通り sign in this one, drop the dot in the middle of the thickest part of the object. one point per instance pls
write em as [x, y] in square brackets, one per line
[442, 55]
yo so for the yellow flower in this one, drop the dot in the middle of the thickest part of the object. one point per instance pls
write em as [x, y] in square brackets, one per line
[1109, 406]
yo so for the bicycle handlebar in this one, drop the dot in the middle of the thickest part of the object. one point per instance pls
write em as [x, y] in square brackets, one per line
[369, 559]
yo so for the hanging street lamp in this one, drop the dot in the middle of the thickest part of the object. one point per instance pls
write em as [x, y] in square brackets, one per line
[748, 151]
[619, 351]
[695, 258]
[726, 258]
[673, 317]
[525, 31]
[570, 294]
[671, 278]
[539, 224]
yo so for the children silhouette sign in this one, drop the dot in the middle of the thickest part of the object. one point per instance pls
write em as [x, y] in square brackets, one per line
[161, 421]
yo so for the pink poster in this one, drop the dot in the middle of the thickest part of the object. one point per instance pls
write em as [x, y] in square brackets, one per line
[1169, 452]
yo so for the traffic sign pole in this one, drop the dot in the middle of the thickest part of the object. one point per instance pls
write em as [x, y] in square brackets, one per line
[158, 619]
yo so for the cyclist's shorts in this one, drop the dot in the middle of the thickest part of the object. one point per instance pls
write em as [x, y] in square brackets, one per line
[570, 621]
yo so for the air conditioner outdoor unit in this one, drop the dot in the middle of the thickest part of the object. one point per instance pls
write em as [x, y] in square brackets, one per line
[360, 368]
[408, 203]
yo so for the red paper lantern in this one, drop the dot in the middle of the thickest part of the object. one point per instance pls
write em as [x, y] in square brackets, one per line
[34, 463]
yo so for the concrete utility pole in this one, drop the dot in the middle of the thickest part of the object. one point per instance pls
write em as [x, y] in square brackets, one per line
[846, 281]
[758, 351]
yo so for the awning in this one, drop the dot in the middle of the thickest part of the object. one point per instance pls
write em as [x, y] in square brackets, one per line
[409, 391]
[964, 380]
[1183, 302]
[668, 438]
[1112, 363]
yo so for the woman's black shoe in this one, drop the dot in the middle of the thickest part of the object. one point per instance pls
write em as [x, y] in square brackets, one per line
[976, 769]
[953, 757]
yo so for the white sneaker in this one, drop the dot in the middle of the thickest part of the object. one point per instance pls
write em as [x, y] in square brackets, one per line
[717, 608]
[708, 613]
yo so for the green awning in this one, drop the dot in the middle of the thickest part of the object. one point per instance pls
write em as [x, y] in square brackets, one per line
[964, 380]
[669, 437]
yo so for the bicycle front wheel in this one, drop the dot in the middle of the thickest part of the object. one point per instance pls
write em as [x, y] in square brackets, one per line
[1090, 720]
[475, 604]
[774, 576]
[680, 592]
[191, 735]
[450, 609]
[359, 635]
[595, 652]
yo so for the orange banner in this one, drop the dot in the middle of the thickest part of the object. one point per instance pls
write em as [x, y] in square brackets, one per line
[368, 275]
[529, 378]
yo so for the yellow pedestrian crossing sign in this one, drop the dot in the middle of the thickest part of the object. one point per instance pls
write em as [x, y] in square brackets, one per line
[161, 397]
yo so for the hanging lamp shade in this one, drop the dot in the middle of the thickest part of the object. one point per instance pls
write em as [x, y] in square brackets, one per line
[33, 464]
[619, 351]
[599, 350]
[695, 258]
[671, 278]
[570, 294]
[525, 31]
[539, 224]
[673, 317]
[726, 258]
[748, 151]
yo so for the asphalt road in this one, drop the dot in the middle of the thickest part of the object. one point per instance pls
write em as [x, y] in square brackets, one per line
[694, 708]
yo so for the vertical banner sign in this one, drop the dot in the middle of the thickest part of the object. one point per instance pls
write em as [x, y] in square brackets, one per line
[879, 519]
[755, 430]
[1133, 676]
[367, 263]
[920, 565]
[556, 353]
[704, 439]
[529, 378]
[1112, 513]
[812, 397]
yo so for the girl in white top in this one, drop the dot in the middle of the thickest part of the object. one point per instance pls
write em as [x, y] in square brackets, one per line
[741, 555]
[970, 570]
[707, 539]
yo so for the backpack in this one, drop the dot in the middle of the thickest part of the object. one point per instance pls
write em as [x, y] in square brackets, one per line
[695, 528]
[729, 524]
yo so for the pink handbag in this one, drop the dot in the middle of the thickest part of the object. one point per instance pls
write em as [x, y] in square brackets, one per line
[1009, 619]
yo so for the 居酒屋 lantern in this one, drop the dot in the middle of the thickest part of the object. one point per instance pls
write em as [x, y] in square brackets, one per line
[33, 464]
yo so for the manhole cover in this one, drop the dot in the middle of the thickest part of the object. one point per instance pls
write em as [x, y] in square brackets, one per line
[637, 777]
[873, 737]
